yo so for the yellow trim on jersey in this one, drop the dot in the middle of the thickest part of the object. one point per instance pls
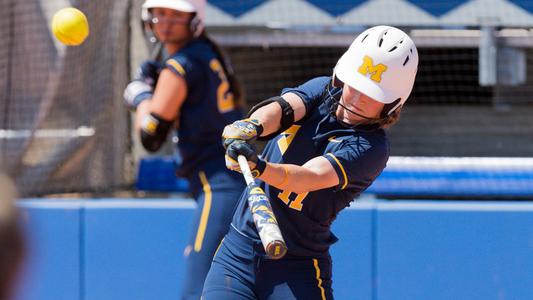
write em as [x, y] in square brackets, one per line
[286, 138]
[176, 66]
[205, 213]
[220, 244]
[332, 139]
[342, 169]
[317, 269]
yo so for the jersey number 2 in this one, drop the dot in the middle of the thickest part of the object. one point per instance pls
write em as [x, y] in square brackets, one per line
[224, 96]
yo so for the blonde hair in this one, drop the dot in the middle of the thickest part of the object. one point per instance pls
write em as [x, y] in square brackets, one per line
[391, 119]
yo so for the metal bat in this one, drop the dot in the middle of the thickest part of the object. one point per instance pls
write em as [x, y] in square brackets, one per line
[264, 218]
[157, 51]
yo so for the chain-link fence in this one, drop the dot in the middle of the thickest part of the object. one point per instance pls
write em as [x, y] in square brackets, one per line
[63, 126]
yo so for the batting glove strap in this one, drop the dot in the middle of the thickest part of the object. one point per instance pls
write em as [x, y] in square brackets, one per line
[258, 127]
[136, 92]
[260, 167]
[257, 165]
[257, 170]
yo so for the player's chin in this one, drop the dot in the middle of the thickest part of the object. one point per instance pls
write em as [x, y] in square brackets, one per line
[164, 38]
[171, 37]
[342, 115]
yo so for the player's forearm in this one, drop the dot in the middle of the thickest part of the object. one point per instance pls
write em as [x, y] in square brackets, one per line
[269, 115]
[142, 111]
[293, 178]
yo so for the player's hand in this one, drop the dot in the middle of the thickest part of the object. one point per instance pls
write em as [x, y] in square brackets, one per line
[136, 92]
[143, 84]
[242, 130]
[257, 165]
[148, 72]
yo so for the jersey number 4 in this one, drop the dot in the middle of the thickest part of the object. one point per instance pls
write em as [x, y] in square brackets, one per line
[224, 96]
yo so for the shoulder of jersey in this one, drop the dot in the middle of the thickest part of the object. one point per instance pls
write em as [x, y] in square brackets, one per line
[320, 82]
[196, 48]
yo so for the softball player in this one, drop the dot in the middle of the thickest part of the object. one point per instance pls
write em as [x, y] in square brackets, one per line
[329, 145]
[12, 241]
[194, 90]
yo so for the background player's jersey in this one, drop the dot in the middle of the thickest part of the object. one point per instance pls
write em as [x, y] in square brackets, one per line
[358, 157]
[209, 105]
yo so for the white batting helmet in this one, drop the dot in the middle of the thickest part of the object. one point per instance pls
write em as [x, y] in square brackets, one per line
[191, 6]
[380, 63]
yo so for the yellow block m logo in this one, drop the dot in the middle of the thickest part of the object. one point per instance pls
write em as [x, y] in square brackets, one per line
[368, 67]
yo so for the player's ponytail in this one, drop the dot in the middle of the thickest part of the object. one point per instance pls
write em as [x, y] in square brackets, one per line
[391, 119]
[235, 84]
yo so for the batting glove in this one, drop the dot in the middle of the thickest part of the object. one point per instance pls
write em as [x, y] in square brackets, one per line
[143, 84]
[148, 72]
[242, 130]
[257, 164]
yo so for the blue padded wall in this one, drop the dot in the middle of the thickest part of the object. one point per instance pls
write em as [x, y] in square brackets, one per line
[454, 251]
[52, 267]
[352, 254]
[134, 250]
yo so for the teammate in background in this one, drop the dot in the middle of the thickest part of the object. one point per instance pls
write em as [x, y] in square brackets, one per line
[196, 91]
[328, 145]
[11, 239]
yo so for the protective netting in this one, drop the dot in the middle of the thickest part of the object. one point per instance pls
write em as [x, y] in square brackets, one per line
[63, 126]
[448, 114]
[456, 139]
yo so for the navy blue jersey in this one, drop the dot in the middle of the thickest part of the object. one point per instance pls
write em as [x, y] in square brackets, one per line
[209, 105]
[357, 155]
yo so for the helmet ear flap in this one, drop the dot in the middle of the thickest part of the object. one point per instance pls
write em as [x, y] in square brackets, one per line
[147, 26]
[336, 82]
[388, 109]
[146, 14]
[194, 25]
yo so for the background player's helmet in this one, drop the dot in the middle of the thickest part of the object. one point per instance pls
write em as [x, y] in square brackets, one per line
[380, 63]
[192, 6]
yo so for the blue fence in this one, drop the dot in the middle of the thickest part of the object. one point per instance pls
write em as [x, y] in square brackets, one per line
[132, 249]
[406, 177]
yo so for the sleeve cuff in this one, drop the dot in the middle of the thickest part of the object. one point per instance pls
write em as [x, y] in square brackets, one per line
[175, 67]
[343, 178]
[301, 95]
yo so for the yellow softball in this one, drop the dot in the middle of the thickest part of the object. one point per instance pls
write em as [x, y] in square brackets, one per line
[70, 26]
